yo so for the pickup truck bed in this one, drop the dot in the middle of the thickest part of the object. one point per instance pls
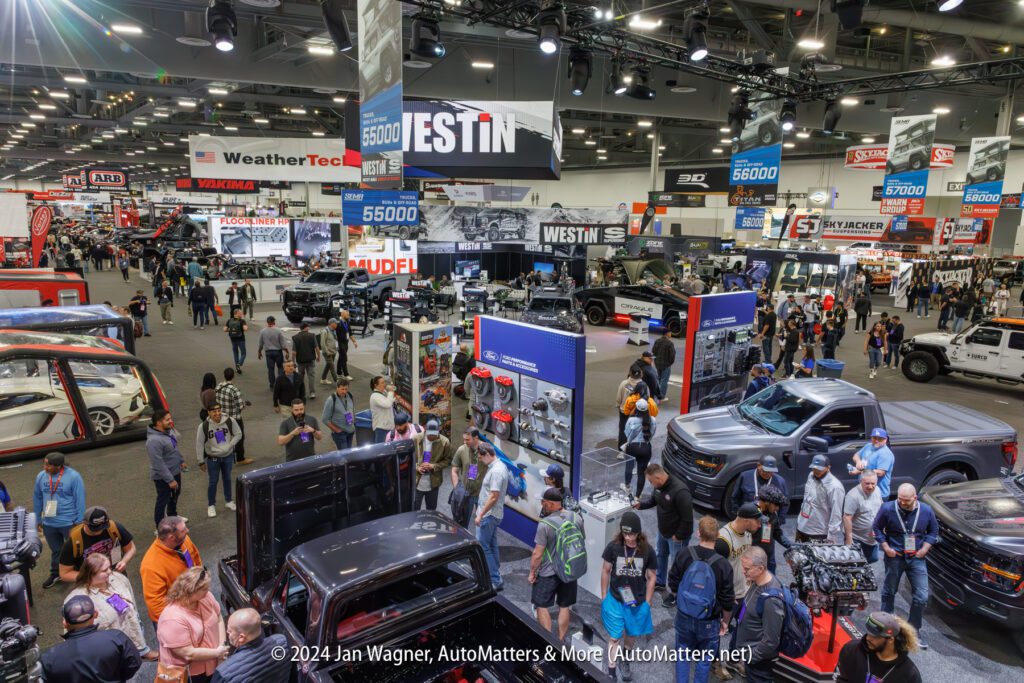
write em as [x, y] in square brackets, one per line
[938, 420]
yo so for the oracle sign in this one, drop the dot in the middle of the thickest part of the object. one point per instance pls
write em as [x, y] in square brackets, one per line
[873, 157]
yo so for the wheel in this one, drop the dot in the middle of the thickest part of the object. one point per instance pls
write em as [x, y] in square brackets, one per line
[727, 509]
[674, 325]
[404, 232]
[944, 477]
[970, 179]
[493, 234]
[920, 366]
[522, 233]
[596, 315]
[382, 302]
[736, 147]
[991, 175]
[104, 421]
[889, 168]
[916, 163]
[294, 319]
[767, 135]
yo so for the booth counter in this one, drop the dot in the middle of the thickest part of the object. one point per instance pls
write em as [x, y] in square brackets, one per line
[268, 290]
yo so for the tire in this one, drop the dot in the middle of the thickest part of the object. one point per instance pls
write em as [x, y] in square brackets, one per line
[493, 234]
[726, 506]
[404, 232]
[104, 421]
[916, 163]
[674, 325]
[889, 168]
[736, 147]
[383, 300]
[596, 315]
[920, 366]
[766, 135]
[991, 175]
[294, 319]
[522, 233]
[944, 477]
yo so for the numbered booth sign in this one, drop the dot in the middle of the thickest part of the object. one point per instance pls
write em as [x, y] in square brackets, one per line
[380, 207]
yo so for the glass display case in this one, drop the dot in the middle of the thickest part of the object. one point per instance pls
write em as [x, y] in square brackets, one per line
[606, 475]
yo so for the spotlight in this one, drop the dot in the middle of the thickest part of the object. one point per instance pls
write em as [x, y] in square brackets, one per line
[849, 12]
[695, 30]
[337, 24]
[616, 83]
[832, 113]
[580, 64]
[640, 89]
[739, 114]
[787, 117]
[947, 5]
[551, 27]
[222, 24]
[425, 39]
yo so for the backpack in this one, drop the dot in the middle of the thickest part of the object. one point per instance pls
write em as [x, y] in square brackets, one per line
[569, 558]
[696, 596]
[206, 426]
[797, 627]
[78, 544]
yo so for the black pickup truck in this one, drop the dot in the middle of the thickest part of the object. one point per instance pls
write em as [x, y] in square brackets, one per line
[364, 590]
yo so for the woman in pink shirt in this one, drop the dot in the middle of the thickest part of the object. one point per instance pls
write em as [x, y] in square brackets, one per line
[191, 631]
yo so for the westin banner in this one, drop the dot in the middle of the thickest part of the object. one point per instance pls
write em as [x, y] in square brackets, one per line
[906, 168]
[380, 91]
[757, 156]
[294, 159]
[986, 167]
[522, 225]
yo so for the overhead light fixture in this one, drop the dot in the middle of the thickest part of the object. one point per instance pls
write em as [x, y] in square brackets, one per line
[550, 28]
[580, 67]
[943, 60]
[579, 131]
[337, 24]
[425, 38]
[27, 125]
[739, 114]
[59, 94]
[151, 148]
[161, 114]
[644, 123]
[231, 128]
[261, 121]
[37, 117]
[639, 23]
[121, 130]
[320, 50]
[127, 29]
[47, 106]
[947, 5]
[482, 65]
[186, 103]
[17, 136]
[602, 158]
[787, 116]
[810, 44]
[661, 148]
[716, 150]
[298, 110]
[695, 29]
[849, 102]
[616, 80]
[590, 142]
[182, 139]
[940, 110]
[214, 90]
[725, 141]
[222, 24]
[167, 143]
[724, 129]
[339, 99]
[640, 88]
[318, 133]
[72, 78]
[803, 134]
[650, 136]
[832, 114]
[789, 145]
[867, 140]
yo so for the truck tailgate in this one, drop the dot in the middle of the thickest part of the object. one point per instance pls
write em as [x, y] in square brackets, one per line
[937, 420]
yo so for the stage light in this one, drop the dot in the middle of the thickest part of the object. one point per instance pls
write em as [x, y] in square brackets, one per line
[222, 24]
[550, 28]
[616, 83]
[640, 88]
[947, 5]
[832, 114]
[695, 29]
[580, 66]
[336, 24]
[739, 114]
[787, 117]
[425, 39]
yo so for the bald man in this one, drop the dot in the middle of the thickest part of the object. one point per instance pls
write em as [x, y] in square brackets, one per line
[254, 659]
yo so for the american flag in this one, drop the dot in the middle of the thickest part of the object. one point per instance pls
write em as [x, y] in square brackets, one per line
[206, 157]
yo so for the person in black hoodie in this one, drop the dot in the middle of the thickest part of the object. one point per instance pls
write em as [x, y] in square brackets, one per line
[896, 330]
[881, 654]
[674, 505]
[770, 499]
[288, 386]
[790, 346]
[862, 307]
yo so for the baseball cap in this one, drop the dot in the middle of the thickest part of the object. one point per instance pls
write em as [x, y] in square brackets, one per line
[96, 518]
[882, 625]
[79, 609]
[554, 471]
[553, 494]
[401, 418]
[647, 354]
[433, 429]
[820, 462]
[769, 463]
[791, 296]
[641, 405]
[630, 522]
[749, 511]
[879, 433]
[332, 321]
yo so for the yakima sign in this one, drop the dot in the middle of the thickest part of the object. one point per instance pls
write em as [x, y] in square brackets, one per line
[223, 185]
[873, 157]
[290, 159]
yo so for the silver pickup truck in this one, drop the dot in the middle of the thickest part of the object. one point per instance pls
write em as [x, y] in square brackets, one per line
[934, 442]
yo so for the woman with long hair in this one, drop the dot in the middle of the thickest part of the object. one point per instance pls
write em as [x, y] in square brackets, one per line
[191, 631]
[638, 431]
[806, 367]
[628, 575]
[111, 593]
[207, 394]
[875, 346]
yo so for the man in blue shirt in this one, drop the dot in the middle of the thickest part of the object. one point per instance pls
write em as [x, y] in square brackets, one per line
[906, 529]
[877, 456]
[59, 502]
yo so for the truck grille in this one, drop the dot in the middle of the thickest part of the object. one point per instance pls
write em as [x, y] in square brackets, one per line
[955, 552]
[298, 297]
[687, 458]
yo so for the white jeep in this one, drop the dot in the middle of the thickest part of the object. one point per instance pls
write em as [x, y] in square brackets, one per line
[992, 348]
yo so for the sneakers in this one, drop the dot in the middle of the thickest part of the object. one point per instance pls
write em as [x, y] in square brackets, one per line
[872, 375]
[349, 377]
[239, 370]
[312, 395]
[624, 673]
[163, 322]
[147, 335]
[920, 643]
[720, 671]
[51, 582]
[230, 505]
[170, 322]
[211, 511]
[669, 600]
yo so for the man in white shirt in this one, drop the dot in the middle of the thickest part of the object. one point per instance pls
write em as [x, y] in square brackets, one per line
[859, 511]
[490, 510]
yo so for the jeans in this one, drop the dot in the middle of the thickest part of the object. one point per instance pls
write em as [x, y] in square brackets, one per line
[487, 534]
[430, 496]
[219, 468]
[343, 360]
[922, 305]
[329, 368]
[379, 435]
[238, 351]
[663, 376]
[667, 549]
[874, 358]
[307, 371]
[342, 440]
[766, 349]
[166, 499]
[893, 354]
[870, 551]
[787, 362]
[958, 324]
[274, 359]
[699, 636]
[124, 274]
[917, 571]
[55, 538]
[145, 323]
[199, 316]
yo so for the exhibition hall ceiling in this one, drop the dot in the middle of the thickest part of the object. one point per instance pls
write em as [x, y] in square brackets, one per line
[127, 82]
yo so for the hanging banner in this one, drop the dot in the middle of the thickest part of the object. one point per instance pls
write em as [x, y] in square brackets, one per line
[750, 219]
[757, 156]
[485, 193]
[518, 226]
[700, 180]
[873, 157]
[42, 217]
[678, 199]
[97, 179]
[906, 168]
[380, 255]
[268, 158]
[380, 207]
[380, 93]
[898, 229]
[986, 168]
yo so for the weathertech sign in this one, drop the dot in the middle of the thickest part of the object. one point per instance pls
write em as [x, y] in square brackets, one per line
[289, 159]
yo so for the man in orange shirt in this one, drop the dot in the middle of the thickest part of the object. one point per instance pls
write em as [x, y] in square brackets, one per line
[171, 554]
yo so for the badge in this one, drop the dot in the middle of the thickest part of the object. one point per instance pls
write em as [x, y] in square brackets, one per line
[628, 598]
[426, 456]
[348, 418]
[304, 437]
[766, 532]
[471, 473]
[909, 544]
[219, 436]
[50, 510]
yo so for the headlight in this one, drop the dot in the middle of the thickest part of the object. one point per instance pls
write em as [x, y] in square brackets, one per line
[1004, 573]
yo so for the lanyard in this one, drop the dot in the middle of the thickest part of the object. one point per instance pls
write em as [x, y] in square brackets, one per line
[756, 477]
[54, 487]
[899, 518]
[870, 675]
[630, 560]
